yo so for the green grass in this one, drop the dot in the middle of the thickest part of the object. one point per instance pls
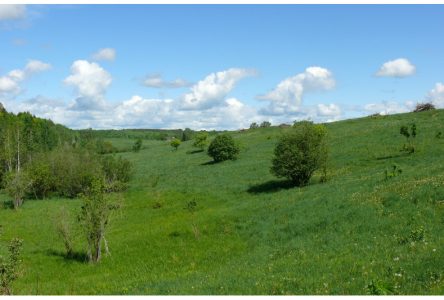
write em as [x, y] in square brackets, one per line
[251, 233]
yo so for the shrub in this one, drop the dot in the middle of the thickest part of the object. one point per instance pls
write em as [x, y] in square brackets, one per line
[201, 140]
[9, 267]
[254, 125]
[393, 172]
[410, 135]
[63, 227]
[300, 152]
[223, 147]
[116, 170]
[265, 124]
[41, 177]
[187, 134]
[424, 107]
[137, 145]
[175, 143]
[17, 185]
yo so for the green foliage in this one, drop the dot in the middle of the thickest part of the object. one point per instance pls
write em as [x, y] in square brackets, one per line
[410, 134]
[223, 147]
[94, 217]
[254, 125]
[17, 185]
[9, 267]
[137, 145]
[187, 135]
[379, 287]
[265, 124]
[392, 172]
[106, 147]
[117, 171]
[63, 226]
[300, 152]
[201, 140]
[175, 143]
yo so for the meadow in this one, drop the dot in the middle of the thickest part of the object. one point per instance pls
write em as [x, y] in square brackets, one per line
[188, 226]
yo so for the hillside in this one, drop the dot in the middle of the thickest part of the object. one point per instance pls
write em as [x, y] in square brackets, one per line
[249, 232]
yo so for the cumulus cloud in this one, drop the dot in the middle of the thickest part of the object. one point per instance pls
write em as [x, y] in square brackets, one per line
[105, 54]
[400, 67]
[90, 82]
[387, 107]
[287, 97]
[10, 83]
[156, 81]
[212, 90]
[436, 95]
[330, 110]
[12, 11]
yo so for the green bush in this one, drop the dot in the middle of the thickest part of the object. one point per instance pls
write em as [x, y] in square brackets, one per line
[137, 145]
[175, 143]
[9, 267]
[410, 134]
[300, 152]
[17, 186]
[265, 124]
[223, 147]
[117, 172]
[201, 140]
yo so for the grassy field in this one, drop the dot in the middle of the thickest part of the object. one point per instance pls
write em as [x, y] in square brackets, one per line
[250, 233]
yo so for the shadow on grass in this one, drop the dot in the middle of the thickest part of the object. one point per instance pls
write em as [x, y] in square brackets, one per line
[8, 204]
[271, 186]
[78, 256]
[392, 156]
[195, 151]
[209, 163]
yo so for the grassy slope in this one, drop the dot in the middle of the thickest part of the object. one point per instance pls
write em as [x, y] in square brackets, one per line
[254, 234]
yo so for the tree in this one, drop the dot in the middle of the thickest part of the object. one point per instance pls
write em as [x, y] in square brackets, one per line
[187, 135]
[17, 185]
[300, 152]
[175, 143]
[94, 217]
[265, 124]
[137, 145]
[9, 267]
[254, 125]
[223, 147]
[201, 140]
[410, 135]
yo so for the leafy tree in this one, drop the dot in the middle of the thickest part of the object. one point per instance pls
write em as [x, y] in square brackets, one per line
[187, 135]
[17, 185]
[223, 147]
[424, 107]
[117, 172]
[9, 267]
[94, 217]
[300, 152]
[254, 125]
[137, 145]
[175, 143]
[201, 140]
[265, 124]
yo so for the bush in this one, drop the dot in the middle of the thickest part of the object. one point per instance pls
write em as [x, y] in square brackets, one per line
[254, 125]
[137, 145]
[17, 185]
[410, 135]
[265, 124]
[175, 143]
[201, 140]
[300, 152]
[187, 134]
[9, 268]
[117, 172]
[423, 107]
[223, 147]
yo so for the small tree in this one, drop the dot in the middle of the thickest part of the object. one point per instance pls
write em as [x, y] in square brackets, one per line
[94, 217]
[254, 125]
[265, 124]
[223, 147]
[63, 227]
[175, 143]
[201, 140]
[424, 107]
[187, 134]
[410, 135]
[300, 152]
[17, 185]
[137, 145]
[9, 267]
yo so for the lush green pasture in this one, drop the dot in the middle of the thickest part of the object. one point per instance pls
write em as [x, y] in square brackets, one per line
[250, 232]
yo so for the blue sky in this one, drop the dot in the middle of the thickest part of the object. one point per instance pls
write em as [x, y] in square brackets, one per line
[218, 66]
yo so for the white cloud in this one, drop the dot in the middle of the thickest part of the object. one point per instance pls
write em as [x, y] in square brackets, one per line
[436, 95]
[12, 11]
[90, 81]
[156, 81]
[330, 110]
[387, 107]
[10, 83]
[212, 90]
[400, 67]
[287, 97]
[105, 54]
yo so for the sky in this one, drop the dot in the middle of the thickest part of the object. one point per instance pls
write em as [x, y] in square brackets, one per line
[218, 66]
